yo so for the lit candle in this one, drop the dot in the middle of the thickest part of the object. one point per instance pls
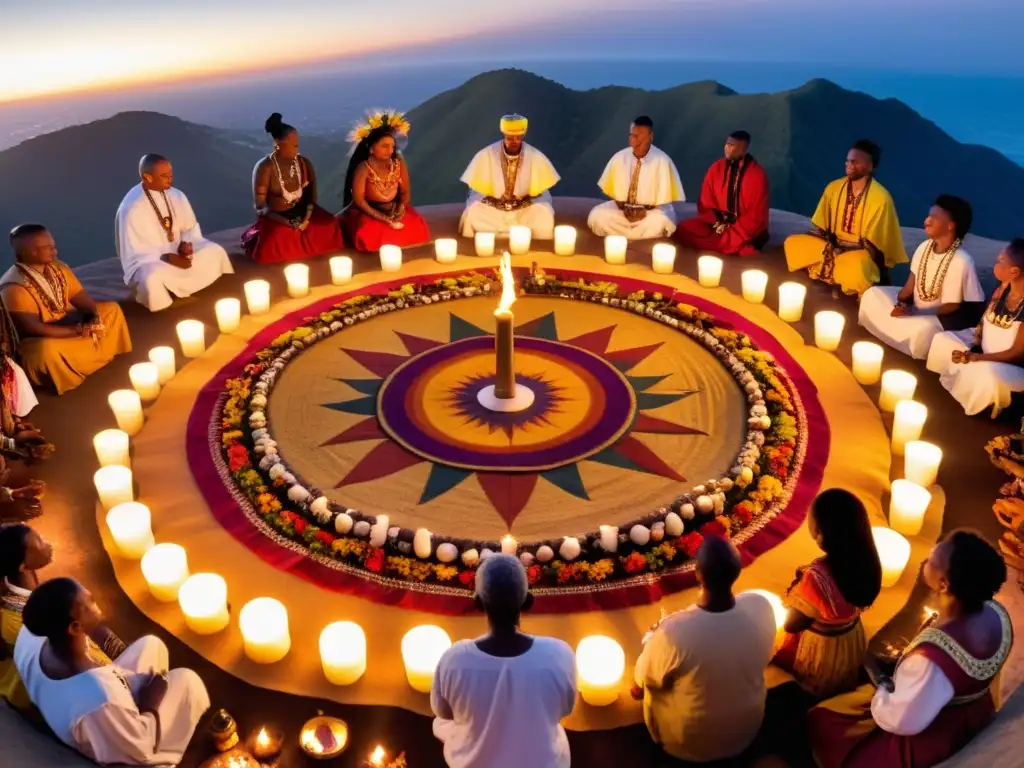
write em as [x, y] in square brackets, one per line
[446, 249]
[709, 271]
[145, 378]
[343, 652]
[791, 301]
[896, 386]
[390, 258]
[266, 744]
[828, 330]
[509, 545]
[519, 238]
[921, 462]
[257, 296]
[867, 362]
[776, 603]
[192, 335]
[297, 278]
[165, 569]
[893, 551]
[114, 485]
[754, 283]
[378, 756]
[341, 269]
[907, 505]
[264, 625]
[600, 664]
[229, 314]
[204, 602]
[907, 423]
[565, 240]
[484, 242]
[164, 360]
[505, 378]
[112, 448]
[663, 258]
[615, 249]
[130, 526]
[127, 407]
[422, 649]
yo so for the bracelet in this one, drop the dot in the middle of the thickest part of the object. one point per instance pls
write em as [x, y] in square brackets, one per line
[9, 444]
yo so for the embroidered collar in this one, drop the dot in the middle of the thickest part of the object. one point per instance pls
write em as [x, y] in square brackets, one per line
[978, 669]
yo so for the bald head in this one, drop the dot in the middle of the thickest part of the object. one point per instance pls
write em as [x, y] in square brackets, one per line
[32, 244]
[718, 564]
[155, 172]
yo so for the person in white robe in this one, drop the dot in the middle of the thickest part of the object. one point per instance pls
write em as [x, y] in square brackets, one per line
[162, 249]
[132, 711]
[643, 183]
[943, 283]
[509, 184]
[982, 367]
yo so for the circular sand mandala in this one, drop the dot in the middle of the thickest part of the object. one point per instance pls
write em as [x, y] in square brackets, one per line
[348, 445]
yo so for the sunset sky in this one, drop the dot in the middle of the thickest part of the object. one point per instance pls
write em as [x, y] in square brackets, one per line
[57, 46]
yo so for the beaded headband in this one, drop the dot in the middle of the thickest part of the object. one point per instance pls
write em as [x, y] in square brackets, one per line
[395, 120]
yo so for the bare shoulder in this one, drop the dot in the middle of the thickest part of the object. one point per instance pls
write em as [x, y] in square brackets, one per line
[262, 166]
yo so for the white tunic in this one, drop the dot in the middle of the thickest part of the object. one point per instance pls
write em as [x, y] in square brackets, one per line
[95, 711]
[141, 242]
[658, 185]
[495, 712]
[912, 334]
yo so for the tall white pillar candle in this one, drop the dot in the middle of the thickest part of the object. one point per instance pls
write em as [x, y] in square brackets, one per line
[896, 386]
[297, 278]
[127, 407]
[422, 649]
[264, 625]
[867, 362]
[908, 421]
[164, 360]
[754, 283]
[907, 504]
[484, 243]
[600, 664]
[663, 258]
[519, 238]
[343, 652]
[114, 485]
[204, 602]
[828, 330]
[893, 551]
[229, 314]
[390, 258]
[145, 378]
[257, 296]
[165, 569]
[130, 526]
[565, 240]
[192, 335]
[446, 249]
[921, 462]
[615, 249]
[791, 301]
[112, 447]
[341, 269]
[709, 271]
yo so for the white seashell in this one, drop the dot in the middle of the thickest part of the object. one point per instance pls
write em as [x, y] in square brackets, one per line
[276, 468]
[422, 544]
[470, 558]
[447, 552]
[570, 549]
[268, 463]
[258, 401]
[486, 554]
[657, 534]
[688, 512]
[526, 559]
[298, 494]
[639, 535]
[705, 505]
[609, 538]
[343, 523]
[289, 478]
[259, 434]
[361, 529]
[674, 524]
[725, 484]
[321, 509]
[545, 554]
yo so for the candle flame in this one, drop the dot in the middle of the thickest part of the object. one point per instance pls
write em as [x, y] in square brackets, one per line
[377, 758]
[310, 742]
[263, 738]
[508, 284]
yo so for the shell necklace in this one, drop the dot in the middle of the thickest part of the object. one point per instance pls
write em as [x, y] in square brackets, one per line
[294, 172]
[932, 292]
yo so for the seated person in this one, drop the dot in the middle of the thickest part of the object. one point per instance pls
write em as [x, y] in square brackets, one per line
[63, 334]
[508, 186]
[131, 711]
[939, 696]
[499, 699]
[290, 225]
[857, 234]
[824, 644]
[162, 250]
[942, 280]
[643, 183]
[701, 672]
[732, 212]
[376, 207]
[982, 367]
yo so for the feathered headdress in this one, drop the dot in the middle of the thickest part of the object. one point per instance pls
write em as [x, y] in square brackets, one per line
[395, 120]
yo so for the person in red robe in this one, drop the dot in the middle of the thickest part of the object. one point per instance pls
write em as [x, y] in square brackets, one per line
[732, 212]
[290, 226]
[940, 695]
[376, 207]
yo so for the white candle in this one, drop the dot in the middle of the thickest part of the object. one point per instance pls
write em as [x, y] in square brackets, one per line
[565, 240]
[127, 407]
[519, 238]
[164, 360]
[609, 537]
[484, 242]
[204, 602]
[867, 362]
[509, 545]
[828, 330]
[663, 258]
[896, 386]
[422, 649]
[446, 249]
[130, 526]
[112, 448]
[907, 504]
[297, 278]
[615, 249]
[778, 608]
[907, 423]
[600, 664]
[165, 569]
[343, 652]
[229, 314]
[754, 283]
[192, 335]
[893, 551]
[791, 301]
[145, 378]
[921, 462]
[390, 258]
[341, 269]
[114, 485]
[257, 296]
[264, 625]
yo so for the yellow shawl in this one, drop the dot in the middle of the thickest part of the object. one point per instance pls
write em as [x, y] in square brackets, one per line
[876, 219]
[485, 177]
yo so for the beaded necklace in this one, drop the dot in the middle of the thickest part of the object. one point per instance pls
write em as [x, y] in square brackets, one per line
[932, 292]
[295, 172]
[634, 182]
[388, 183]
[1001, 315]
[852, 204]
[510, 168]
[166, 222]
[49, 289]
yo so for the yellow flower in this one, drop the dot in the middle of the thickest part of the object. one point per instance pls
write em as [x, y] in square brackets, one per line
[445, 572]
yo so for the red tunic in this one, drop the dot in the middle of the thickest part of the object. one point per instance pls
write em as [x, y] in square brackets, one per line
[734, 193]
[268, 241]
[366, 233]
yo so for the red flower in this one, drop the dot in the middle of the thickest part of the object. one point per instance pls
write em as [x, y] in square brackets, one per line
[533, 574]
[324, 538]
[634, 563]
[690, 543]
[300, 524]
[288, 517]
[467, 578]
[566, 574]
[238, 457]
[714, 528]
[375, 560]
[743, 513]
